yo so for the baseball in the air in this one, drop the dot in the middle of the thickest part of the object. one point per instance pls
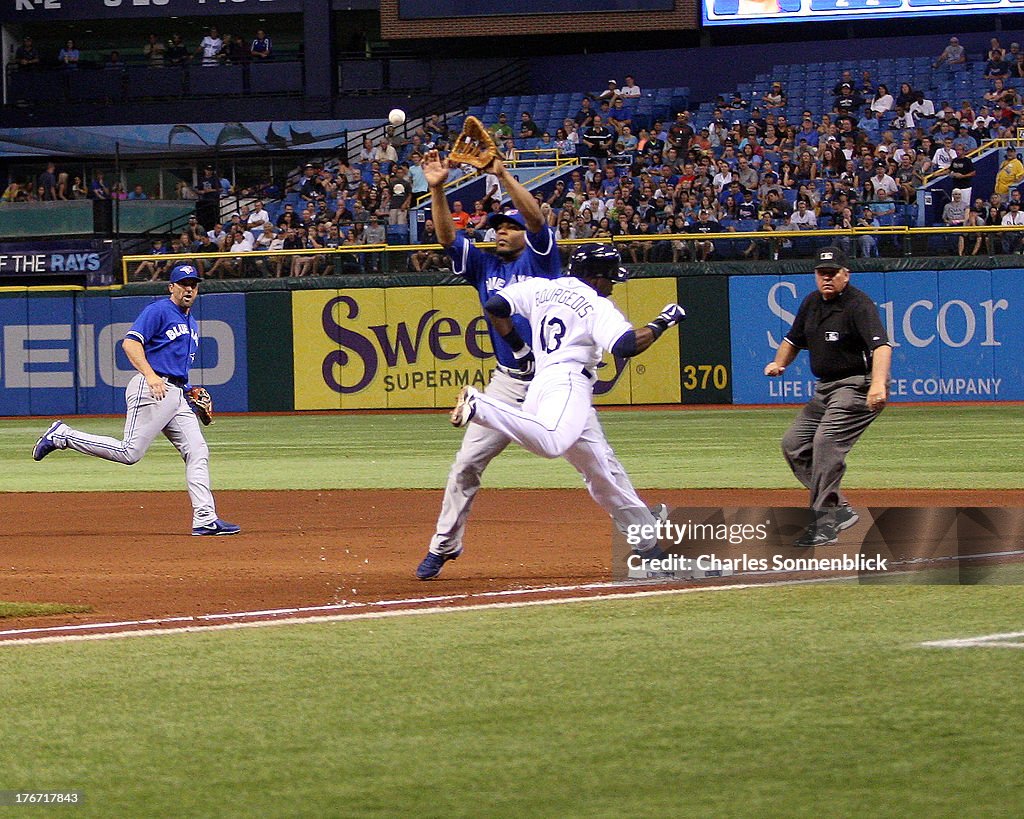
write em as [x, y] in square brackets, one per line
[397, 116]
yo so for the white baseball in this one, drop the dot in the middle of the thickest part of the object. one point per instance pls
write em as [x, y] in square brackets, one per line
[397, 116]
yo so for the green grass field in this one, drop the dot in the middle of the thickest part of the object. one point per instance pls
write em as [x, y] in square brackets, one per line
[806, 701]
[811, 700]
[925, 447]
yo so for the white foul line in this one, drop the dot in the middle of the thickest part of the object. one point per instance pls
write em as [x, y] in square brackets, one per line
[984, 641]
[378, 615]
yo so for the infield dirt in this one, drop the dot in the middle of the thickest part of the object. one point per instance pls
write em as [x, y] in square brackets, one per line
[131, 555]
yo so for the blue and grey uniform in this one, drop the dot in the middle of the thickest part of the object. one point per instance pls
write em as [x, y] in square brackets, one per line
[170, 338]
[591, 456]
[488, 273]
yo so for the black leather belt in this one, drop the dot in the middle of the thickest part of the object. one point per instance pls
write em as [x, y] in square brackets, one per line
[171, 379]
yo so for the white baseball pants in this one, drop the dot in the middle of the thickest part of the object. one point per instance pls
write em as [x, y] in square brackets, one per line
[146, 417]
[558, 419]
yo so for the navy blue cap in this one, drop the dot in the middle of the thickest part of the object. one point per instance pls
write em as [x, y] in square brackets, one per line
[184, 271]
[513, 216]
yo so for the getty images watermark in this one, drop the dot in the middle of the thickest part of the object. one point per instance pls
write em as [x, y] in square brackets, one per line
[944, 545]
[705, 536]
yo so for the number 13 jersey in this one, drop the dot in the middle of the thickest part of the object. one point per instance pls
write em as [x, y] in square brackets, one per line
[571, 322]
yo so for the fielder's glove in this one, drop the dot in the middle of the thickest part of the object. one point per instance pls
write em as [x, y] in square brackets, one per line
[669, 317]
[474, 145]
[201, 403]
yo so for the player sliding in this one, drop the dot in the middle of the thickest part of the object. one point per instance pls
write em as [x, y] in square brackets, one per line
[161, 345]
[572, 321]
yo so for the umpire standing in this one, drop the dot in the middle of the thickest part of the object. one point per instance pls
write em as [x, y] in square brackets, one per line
[851, 356]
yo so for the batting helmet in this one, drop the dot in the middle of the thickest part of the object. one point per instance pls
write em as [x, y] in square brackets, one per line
[594, 261]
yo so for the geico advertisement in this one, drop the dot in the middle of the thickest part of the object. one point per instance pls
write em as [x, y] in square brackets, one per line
[957, 335]
[417, 346]
[62, 355]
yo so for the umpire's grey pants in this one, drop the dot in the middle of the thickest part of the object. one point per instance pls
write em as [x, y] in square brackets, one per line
[817, 443]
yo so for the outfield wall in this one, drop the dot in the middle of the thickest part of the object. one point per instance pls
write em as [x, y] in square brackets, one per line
[959, 336]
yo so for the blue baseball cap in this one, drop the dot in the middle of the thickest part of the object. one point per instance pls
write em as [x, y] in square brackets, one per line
[184, 271]
[513, 216]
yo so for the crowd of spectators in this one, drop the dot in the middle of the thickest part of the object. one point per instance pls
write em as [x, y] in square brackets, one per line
[215, 48]
[747, 168]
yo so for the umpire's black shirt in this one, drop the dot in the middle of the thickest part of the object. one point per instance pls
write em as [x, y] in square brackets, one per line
[840, 334]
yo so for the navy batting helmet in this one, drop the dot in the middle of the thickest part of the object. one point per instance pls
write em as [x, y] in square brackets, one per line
[594, 261]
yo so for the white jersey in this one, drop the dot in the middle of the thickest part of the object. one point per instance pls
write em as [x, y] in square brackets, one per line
[571, 322]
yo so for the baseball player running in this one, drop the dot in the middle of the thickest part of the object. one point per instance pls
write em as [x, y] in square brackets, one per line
[161, 345]
[524, 247]
[851, 356]
[572, 321]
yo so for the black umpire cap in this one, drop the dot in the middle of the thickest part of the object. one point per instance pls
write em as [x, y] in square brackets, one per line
[830, 258]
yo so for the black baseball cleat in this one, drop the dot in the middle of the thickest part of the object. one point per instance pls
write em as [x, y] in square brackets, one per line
[844, 517]
[820, 533]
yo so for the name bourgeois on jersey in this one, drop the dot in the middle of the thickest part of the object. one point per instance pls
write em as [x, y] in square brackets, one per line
[577, 302]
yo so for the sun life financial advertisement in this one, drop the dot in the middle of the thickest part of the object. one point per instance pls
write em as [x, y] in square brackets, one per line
[733, 12]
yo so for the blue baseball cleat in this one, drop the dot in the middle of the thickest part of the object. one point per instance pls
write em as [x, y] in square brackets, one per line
[218, 527]
[430, 567]
[45, 445]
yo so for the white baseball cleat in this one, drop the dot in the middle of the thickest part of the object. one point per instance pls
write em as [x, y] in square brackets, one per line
[465, 407]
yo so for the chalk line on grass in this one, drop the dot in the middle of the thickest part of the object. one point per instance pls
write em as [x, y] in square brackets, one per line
[1012, 639]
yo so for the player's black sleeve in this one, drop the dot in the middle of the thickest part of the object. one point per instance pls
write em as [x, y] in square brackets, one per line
[869, 325]
[498, 306]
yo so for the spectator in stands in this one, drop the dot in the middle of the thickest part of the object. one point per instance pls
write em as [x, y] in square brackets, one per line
[611, 93]
[599, 139]
[995, 67]
[68, 56]
[26, 56]
[620, 115]
[210, 47]
[882, 101]
[261, 48]
[972, 219]
[427, 259]
[702, 250]
[944, 155]
[501, 129]
[459, 216]
[803, 218]
[48, 182]
[1010, 173]
[564, 145]
[400, 196]
[774, 97]
[98, 189]
[1015, 66]
[154, 51]
[528, 129]
[385, 151]
[585, 115]
[1012, 241]
[177, 52]
[951, 55]
[235, 50]
[908, 178]
[375, 234]
[955, 212]
[152, 268]
[114, 62]
[630, 90]
[961, 172]
[922, 107]
[138, 193]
